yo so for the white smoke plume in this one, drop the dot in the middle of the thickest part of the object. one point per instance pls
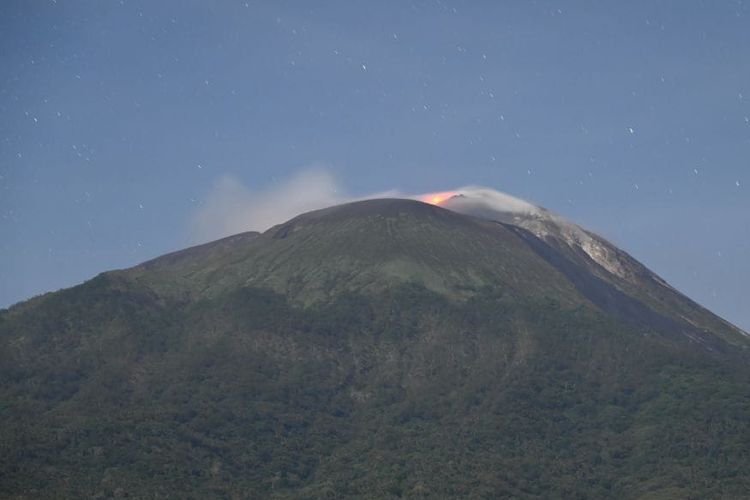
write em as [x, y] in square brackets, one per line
[231, 207]
[477, 200]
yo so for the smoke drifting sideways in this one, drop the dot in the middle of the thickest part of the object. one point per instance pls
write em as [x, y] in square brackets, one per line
[231, 207]
[483, 202]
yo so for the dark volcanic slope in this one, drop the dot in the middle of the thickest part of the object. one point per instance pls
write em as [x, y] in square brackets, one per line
[374, 244]
[379, 349]
[370, 245]
[610, 299]
[607, 275]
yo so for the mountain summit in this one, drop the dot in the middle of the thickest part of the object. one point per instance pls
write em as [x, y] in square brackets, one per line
[381, 348]
[463, 247]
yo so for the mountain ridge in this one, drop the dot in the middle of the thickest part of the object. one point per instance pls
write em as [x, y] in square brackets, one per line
[634, 284]
[380, 349]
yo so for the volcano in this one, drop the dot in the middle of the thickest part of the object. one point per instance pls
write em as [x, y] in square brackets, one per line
[378, 349]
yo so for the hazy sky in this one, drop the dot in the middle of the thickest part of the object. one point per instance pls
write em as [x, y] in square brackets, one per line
[121, 120]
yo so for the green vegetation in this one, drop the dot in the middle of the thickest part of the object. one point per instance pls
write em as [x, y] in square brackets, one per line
[107, 390]
[379, 350]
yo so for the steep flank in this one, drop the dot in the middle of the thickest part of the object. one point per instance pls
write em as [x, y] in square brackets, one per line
[371, 245]
[200, 254]
[597, 258]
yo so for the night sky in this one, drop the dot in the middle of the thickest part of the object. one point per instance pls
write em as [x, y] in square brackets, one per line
[122, 122]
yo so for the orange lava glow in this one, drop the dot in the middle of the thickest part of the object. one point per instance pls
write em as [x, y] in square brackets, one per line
[436, 198]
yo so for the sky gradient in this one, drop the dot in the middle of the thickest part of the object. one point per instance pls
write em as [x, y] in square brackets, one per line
[121, 120]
